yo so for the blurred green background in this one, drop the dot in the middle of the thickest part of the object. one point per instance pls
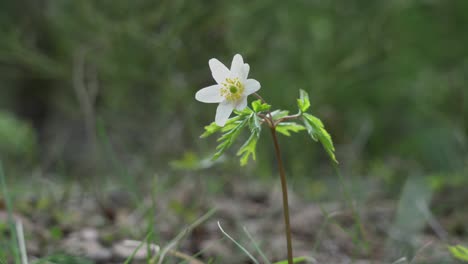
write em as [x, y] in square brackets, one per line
[101, 93]
[388, 79]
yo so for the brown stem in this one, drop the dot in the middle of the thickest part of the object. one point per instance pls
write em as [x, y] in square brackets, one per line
[288, 118]
[269, 120]
[259, 97]
[284, 189]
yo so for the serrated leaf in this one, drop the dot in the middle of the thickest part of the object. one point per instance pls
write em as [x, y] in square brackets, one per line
[210, 130]
[303, 102]
[255, 124]
[286, 127]
[213, 127]
[259, 106]
[277, 114]
[229, 137]
[317, 131]
[231, 131]
[248, 149]
[244, 112]
[459, 252]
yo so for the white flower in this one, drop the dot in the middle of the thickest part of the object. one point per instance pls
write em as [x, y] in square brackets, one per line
[231, 90]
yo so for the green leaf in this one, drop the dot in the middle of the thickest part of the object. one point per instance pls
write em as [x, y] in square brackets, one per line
[459, 252]
[231, 131]
[295, 260]
[259, 106]
[210, 130]
[277, 114]
[287, 127]
[303, 102]
[244, 112]
[255, 124]
[229, 137]
[317, 131]
[249, 147]
[230, 124]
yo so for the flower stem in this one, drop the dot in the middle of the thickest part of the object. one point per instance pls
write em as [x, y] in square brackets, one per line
[284, 189]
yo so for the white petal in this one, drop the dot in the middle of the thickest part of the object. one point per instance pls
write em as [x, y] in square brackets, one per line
[245, 71]
[251, 86]
[210, 94]
[237, 66]
[223, 112]
[242, 104]
[218, 70]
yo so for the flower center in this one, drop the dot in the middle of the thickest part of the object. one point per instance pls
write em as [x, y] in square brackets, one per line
[232, 89]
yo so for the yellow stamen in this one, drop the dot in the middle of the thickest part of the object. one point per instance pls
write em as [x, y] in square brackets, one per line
[232, 89]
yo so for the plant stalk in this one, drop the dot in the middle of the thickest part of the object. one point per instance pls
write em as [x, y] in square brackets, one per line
[284, 189]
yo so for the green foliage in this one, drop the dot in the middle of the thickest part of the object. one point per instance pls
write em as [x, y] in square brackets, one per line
[232, 130]
[213, 127]
[277, 114]
[303, 102]
[249, 147]
[286, 128]
[314, 126]
[228, 138]
[396, 69]
[258, 106]
[233, 127]
[459, 252]
[317, 131]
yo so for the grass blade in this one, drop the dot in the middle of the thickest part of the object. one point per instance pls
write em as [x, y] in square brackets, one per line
[127, 261]
[167, 249]
[21, 242]
[238, 244]
[256, 246]
[14, 239]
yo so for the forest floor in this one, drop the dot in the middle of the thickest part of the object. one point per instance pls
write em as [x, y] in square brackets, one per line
[105, 226]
